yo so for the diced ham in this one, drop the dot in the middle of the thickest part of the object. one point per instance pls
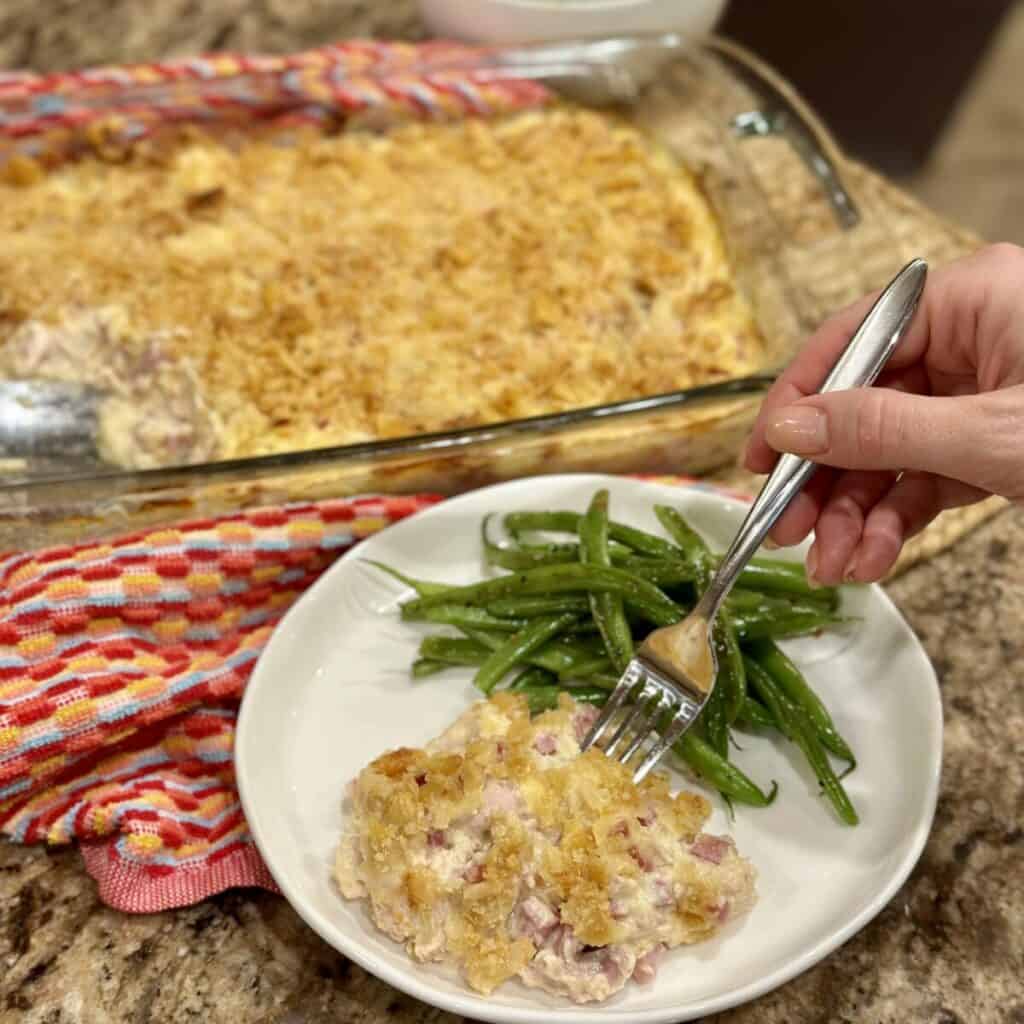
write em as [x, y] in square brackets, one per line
[620, 828]
[645, 863]
[647, 966]
[615, 964]
[582, 719]
[473, 874]
[617, 908]
[436, 838]
[566, 943]
[545, 743]
[500, 797]
[663, 896]
[723, 912]
[710, 848]
[421, 780]
[500, 748]
[648, 818]
[536, 919]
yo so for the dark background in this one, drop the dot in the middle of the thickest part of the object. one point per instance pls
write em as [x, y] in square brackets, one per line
[885, 76]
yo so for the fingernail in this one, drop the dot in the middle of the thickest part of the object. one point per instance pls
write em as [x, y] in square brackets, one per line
[850, 572]
[812, 567]
[770, 544]
[800, 429]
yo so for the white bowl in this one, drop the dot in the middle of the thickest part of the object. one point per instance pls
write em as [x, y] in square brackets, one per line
[532, 21]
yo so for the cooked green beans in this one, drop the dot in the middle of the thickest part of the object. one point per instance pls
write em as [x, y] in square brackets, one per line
[795, 725]
[563, 616]
[462, 616]
[529, 607]
[561, 579]
[607, 609]
[423, 667]
[723, 775]
[754, 713]
[517, 648]
[726, 698]
[544, 698]
[792, 683]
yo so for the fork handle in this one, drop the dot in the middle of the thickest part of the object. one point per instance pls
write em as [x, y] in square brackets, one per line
[859, 366]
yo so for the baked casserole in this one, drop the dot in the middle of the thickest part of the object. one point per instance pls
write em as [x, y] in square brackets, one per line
[500, 849]
[267, 297]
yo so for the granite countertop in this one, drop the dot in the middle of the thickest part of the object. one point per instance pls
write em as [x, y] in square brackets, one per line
[948, 948]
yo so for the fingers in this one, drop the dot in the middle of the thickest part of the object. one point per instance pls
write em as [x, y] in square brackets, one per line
[840, 526]
[798, 520]
[973, 439]
[803, 377]
[911, 504]
[966, 331]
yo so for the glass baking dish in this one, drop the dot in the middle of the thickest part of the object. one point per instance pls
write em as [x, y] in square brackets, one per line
[775, 181]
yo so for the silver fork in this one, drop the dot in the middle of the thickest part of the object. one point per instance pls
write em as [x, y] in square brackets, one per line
[672, 674]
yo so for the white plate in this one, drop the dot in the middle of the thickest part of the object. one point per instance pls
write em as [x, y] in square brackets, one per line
[332, 691]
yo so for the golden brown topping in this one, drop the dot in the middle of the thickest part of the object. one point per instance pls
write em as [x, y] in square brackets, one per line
[335, 290]
[500, 841]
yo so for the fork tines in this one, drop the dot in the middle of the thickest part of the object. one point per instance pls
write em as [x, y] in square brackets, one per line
[652, 707]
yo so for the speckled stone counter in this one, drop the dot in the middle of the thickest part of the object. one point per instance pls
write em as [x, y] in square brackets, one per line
[949, 947]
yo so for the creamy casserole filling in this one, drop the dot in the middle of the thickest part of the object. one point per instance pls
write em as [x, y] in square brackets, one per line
[501, 849]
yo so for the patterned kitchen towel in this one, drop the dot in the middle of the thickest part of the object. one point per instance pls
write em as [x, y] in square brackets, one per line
[45, 119]
[122, 665]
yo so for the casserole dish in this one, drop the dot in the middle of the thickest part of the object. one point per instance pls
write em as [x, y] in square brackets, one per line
[771, 175]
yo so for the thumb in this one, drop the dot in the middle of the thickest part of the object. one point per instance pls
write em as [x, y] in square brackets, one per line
[969, 438]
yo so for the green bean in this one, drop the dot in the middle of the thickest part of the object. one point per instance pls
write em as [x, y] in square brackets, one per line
[544, 698]
[423, 667]
[667, 572]
[616, 551]
[560, 579]
[769, 574]
[533, 676]
[568, 522]
[695, 551]
[764, 687]
[528, 556]
[726, 699]
[585, 669]
[795, 725]
[725, 777]
[523, 557]
[776, 576]
[517, 648]
[557, 656]
[713, 723]
[608, 610]
[796, 688]
[731, 674]
[662, 572]
[742, 599]
[757, 625]
[425, 588]
[460, 616]
[453, 650]
[754, 713]
[530, 607]
[604, 680]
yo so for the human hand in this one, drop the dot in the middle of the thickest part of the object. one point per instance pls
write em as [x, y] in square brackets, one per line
[943, 427]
